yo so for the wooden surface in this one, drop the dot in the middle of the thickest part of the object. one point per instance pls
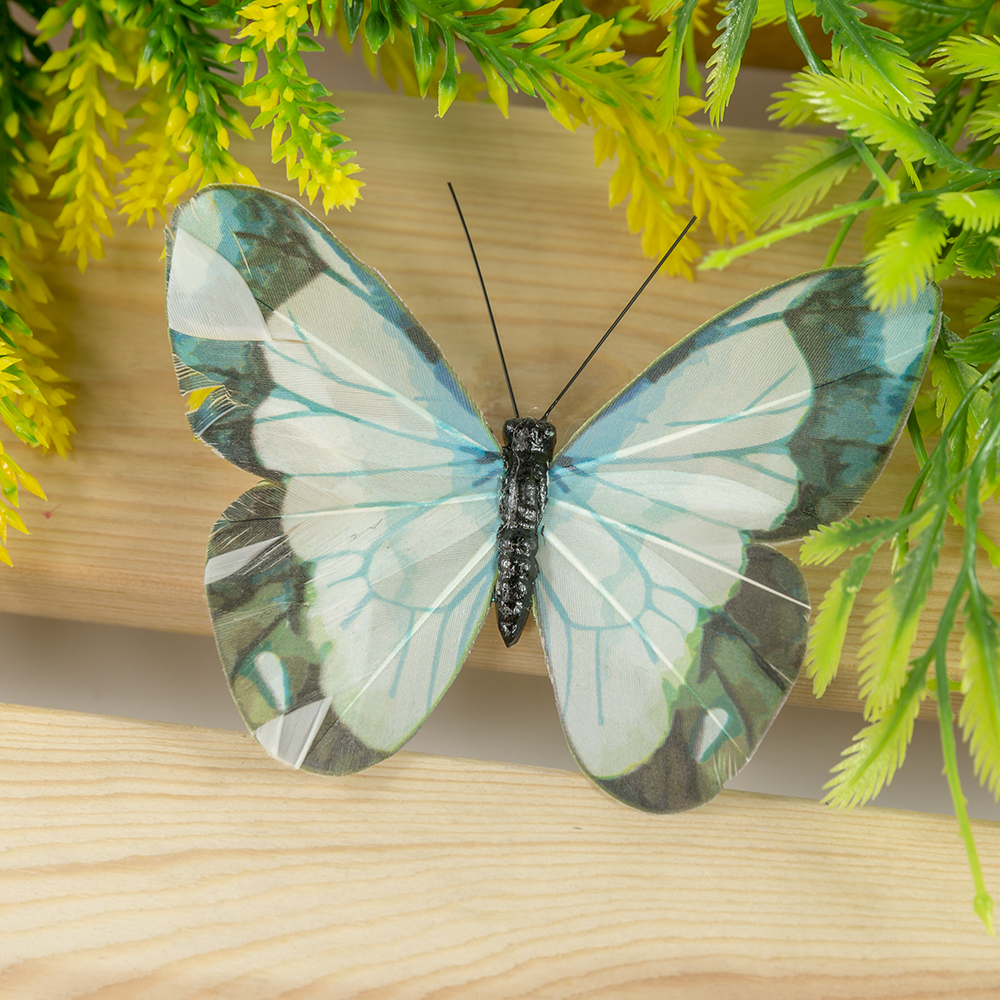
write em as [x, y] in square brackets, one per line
[121, 538]
[142, 860]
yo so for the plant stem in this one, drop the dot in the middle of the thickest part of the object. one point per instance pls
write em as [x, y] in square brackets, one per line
[983, 903]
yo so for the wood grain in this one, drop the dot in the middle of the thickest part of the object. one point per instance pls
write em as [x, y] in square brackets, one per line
[121, 538]
[172, 863]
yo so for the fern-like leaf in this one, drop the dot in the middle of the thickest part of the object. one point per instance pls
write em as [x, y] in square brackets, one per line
[980, 713]
[798, 178]
[977, 255]
[875, 59]
[971, 55]
[977, 210]
[982, 346]
[724, 62]
[892, 625]
[952, 379]
[850, 106]
[673, 48]
[877, 752]
[829, 542]
[903, 261]
[829, 630]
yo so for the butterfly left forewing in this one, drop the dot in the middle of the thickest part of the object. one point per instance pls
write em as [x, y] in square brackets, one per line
[671, 633]
[346, 589]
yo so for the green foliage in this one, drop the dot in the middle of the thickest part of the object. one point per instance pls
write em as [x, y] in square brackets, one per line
[798, 178]
[725, 61]
[874, 59]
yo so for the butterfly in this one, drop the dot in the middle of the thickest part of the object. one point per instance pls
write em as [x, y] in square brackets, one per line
[347, 587]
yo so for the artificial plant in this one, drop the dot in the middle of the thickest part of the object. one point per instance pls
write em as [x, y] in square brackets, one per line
[913, 88]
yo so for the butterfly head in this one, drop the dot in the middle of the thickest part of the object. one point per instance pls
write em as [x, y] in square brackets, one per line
[527, 435]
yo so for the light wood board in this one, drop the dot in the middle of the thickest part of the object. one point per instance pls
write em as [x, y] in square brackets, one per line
[121, 538]
[142, 860]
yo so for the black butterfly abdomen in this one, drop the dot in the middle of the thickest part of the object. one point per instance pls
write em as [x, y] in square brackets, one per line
[528, 446]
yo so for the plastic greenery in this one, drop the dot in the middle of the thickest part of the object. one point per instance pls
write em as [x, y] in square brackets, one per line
[912, 86]
[917, 100]
[192, 70]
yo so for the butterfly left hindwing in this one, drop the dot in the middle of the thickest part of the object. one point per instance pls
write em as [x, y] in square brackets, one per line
[345, 590]
[672, 633]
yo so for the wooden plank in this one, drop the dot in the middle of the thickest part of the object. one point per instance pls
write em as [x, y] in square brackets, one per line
[156, 861]
[121, 538]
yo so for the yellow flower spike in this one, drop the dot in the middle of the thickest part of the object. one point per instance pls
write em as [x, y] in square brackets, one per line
[190, 101]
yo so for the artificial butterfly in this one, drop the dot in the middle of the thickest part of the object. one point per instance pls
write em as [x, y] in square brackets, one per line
[347, 588]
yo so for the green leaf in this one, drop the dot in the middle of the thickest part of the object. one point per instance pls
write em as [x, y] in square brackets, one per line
[376, 29]
[830, 541]
[978, 210]
[353, 12]
[892, 624]
[977, 255]
[952, 379]
[982, 346]
[724, 62]
[875, 59]
[829, 630]
[973, 56]
[876, 753]
[850, 106]
[903, 261]
[798, 178]
[673, 48]
[424, 56]
[980, 712]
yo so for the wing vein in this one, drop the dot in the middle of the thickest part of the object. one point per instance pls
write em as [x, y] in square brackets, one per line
[683, 550]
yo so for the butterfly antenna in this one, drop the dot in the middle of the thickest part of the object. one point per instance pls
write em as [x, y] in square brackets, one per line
[652, 275]
[489, 308]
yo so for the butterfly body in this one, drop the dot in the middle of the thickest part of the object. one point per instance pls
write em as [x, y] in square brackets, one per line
[347, 587]
[529, 445]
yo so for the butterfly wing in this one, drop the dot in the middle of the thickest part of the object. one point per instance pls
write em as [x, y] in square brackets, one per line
[346, 589]
[672, 631]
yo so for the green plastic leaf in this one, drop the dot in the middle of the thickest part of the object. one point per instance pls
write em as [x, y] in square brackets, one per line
[892, 625]
[973, 56]
[875, 59]
[673, 49]
[877, 752]
[903, 260]
[829, 630]
[376, 29]
[952, 379]
[982, 346]
[798, 178]
[978, 210]
[850, 106]
[977, 255]
[724, 62]
[424, 57]
[829, 542]
[353, 12]
[980, 712]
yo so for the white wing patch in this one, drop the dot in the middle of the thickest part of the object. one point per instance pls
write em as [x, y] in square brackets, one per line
[207, 297]
[652, 504]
